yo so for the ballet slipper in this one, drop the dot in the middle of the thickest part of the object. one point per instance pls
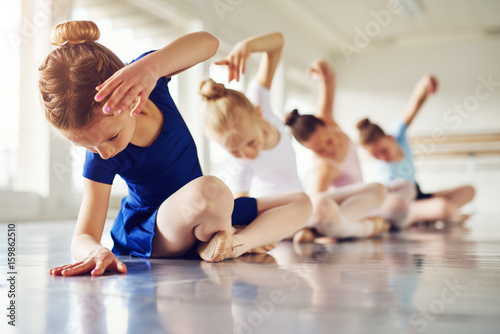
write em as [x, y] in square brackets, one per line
[217, 248]
[325, 241]
[262, 249]
[257, 258]
[380, 226]
[303, 235]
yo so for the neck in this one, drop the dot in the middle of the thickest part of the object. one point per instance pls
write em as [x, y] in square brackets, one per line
[148, 125]
[271, 135]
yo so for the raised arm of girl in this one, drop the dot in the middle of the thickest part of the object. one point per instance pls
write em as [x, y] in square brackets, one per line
[137, 80]
[426, 86]
[270, 44]
[322, 72]
[133, 81]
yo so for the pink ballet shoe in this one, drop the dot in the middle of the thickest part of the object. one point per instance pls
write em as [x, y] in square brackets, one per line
[217, 248]
[303, 235]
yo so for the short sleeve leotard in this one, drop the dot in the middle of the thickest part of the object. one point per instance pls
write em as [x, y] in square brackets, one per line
[274, 171]
[403, 169]
[152, 175]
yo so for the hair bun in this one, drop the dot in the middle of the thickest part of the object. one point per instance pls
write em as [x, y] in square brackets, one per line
[364, 123]
[74, 32]
[211, 90]
[292, 117]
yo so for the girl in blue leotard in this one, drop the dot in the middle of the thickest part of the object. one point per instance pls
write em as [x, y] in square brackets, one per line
[395, 163]
[131, 127]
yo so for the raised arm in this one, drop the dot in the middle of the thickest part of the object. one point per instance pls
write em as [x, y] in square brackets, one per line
[320, 71]
[270, 44]
[86, 246]
[137, 80]
[426, 86]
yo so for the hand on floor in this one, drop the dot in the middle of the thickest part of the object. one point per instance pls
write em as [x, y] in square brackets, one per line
[96, 264]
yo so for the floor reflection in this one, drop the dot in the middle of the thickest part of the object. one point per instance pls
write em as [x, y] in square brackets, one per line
[425, 280]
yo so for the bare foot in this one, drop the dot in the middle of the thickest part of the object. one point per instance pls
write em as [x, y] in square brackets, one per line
[460, 219]
[257, 250]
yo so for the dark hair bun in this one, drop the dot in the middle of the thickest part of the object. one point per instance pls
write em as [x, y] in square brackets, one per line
[364, 123]
[292, 117]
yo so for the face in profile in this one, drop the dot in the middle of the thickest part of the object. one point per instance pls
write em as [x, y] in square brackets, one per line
[106, 135]
[385, 149]
[323, 142]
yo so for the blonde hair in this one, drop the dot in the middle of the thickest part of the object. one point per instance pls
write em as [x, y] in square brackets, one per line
[223, 107]
[71, 72]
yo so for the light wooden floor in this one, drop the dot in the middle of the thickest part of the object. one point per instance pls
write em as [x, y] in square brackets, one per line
[437, 281]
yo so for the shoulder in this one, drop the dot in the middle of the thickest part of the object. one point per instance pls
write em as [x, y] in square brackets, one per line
[97, 169]
[398, 129]
[255, 90]
[325, 165]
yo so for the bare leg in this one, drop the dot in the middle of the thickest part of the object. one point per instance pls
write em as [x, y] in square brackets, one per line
[444, 205]
[458, 196]
[356, 201]
[194, 212]
[331, 219]
[395, 208]
[279, 217]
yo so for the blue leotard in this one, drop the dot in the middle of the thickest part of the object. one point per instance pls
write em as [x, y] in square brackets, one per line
[153, 174]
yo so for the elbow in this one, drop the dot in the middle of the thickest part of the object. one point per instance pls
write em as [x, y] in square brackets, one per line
[211, 43]
[280, 38]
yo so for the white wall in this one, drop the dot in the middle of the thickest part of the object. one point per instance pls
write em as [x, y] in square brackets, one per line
[378, 83]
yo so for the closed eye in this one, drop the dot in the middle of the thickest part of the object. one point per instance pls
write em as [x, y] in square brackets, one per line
[114, 137]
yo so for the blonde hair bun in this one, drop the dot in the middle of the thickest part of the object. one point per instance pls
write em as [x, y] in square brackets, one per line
[210, 90]
[74, 32]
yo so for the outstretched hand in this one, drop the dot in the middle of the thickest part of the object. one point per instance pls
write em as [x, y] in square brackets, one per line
[432, 84]
[319, 70]
[96, 263]
[429, 83]
[236, 61]
[131, 84]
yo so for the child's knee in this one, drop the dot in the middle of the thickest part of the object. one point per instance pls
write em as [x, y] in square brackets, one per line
[304, 201]
[324, 209]
[212, 195]
[470, 192]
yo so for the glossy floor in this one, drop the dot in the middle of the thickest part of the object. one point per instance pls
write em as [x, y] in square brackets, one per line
[432, 281]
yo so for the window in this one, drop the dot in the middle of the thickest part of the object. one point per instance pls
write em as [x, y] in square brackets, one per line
[10, 21]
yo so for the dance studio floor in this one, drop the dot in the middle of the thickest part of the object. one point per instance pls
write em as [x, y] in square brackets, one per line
[434, 281]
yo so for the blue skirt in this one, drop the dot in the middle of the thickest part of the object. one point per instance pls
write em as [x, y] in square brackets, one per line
[134, 228]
